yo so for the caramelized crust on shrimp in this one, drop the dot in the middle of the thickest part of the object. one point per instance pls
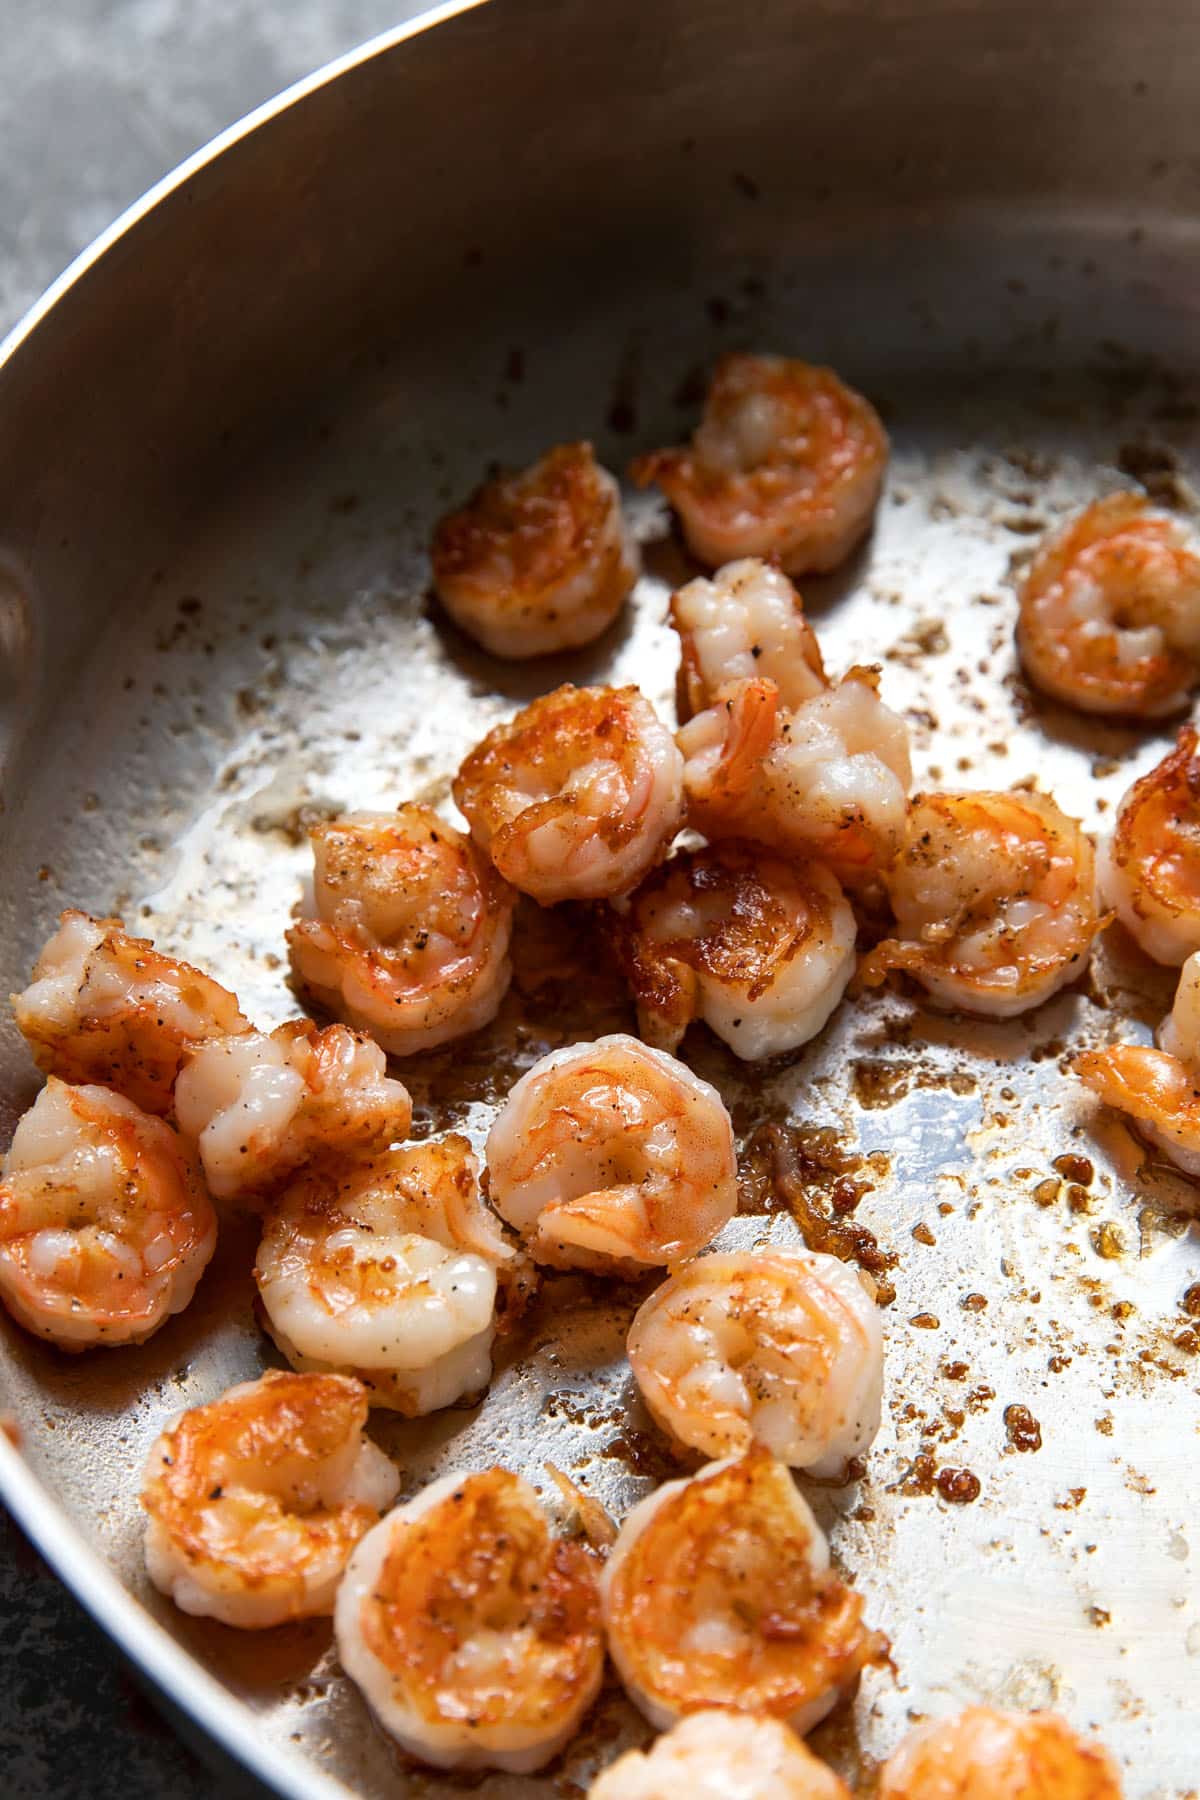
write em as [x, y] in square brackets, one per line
[747, 621]
[539, 561]
[472, 1631]
[787, 463]
[410, 938]
[1150, 867]
[981, 1754]
[105, 1226]
[109, 1008]
[719, 1755]
[1109, 617]
[1158, 1089]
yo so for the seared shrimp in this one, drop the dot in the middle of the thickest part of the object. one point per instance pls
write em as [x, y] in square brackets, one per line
[748, 620]
[262, 1105]
[981, 1754]
[612, 1154]
[410, 938]
[1109, 617]
[778, 1347]
[106, 1007]
[1150, 867]
[539, 561]
[385, 1267]
[995, 902]
[105, 1227]
[578, 796]
[257, 1499]
[718, 1592]
[787, 463]
[719, 1755]
[759, 947]
[1159, 1089]
[473, 1632]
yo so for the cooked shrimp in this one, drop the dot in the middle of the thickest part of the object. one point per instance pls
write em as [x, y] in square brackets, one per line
[1150, 867]
[410, 938]
[612, 1153]
[261, 1105]
[578, 796]
[105, 1227]
[787, 463]
[257, 1499]
[783, 1348]
[385, 1267]
[718, 1592]
[1109, 618]
[748, 620]
[759, 947]
[539, 561]
[106, 1007]
[995, 902]
[719, 1755]
[1159, 1089]
[981, 1754]
[473, 1632]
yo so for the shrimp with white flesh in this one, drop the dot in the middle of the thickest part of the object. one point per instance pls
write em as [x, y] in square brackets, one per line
[385, 1267]
[410, 933]
[995, 902]
[1109, 618]
[1150, 867]
[473, 1631]
[612, 1156]
[718, 1592]
[783, 1348]
[982, 1754]
[105, 1224]
[1158, 1089]
[721, 1755]
[748, 620]
[578, 796]
[538, 561]
[109, 1008]
[257, 1499]
[758, 946]
[261, 1106]
[787, 463]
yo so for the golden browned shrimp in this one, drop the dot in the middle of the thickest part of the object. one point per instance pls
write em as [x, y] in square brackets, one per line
[1150, 867]
[787, 463]
[747, 621]
[578, 796]
[721, 1755]
[539, 561]
[1159, 1089]
[981, 1754]
[106, 1007]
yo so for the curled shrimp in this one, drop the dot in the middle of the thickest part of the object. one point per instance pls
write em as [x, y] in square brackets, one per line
[261, 1105]
[612, 1154]
[105, 1226]
[769, 1346]
[982, 1754]
[1150, 867]
[786, 463]
[411, 933]
[995, 902]
[257, 1499]
[720, 1755]
[747, 621]
[385, 1267]
[473, 1631]
[1158, 1089]
[718, 1592]
[578, 796]
[106, 1007]
[539, 561]
[758, 946]
[1109, 617]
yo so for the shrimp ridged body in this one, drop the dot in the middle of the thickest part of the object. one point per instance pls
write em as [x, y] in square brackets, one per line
[983, 1754]
[721, 1755]
[1150, 867]
[747, 621]
[1158, 1089]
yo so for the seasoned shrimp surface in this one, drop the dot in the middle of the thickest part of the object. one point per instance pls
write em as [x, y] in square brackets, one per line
[1150, 867]
[995, 902]
[787, 463]
[778, 1347]
[1109, 618]
[385, 1267]
[981, 1754]
[720, 1755]
[578, 796]
[257, 1499]
[539, 561]
[106, 1007]
[105, 1226]
[261, 1105]
[756, 945]
[611, 1154]
[718, 1592]
[411, 929]
[748, 620]
[1159, 1089]
[473, 1632]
